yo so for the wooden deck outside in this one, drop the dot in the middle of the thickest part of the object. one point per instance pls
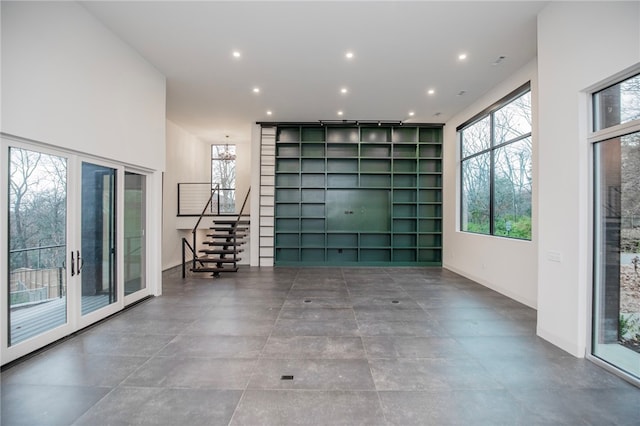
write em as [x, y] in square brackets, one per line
[27, 322]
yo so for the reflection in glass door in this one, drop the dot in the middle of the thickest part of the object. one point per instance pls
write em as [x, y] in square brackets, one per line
[97, 259]
[134, 226]
[616, 299]
[37, 243]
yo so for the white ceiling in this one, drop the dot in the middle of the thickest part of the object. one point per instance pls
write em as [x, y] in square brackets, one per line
[295, 53]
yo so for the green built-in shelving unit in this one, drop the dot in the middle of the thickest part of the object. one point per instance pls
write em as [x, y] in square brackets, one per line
[358, 195]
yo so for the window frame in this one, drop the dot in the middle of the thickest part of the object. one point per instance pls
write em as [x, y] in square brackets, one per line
[490, 113]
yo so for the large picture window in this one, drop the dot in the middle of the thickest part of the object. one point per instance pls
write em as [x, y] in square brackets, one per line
[223, 176]
[496, 168]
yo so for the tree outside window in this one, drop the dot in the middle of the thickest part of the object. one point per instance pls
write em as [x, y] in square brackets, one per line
[496, 169]
[223, 173]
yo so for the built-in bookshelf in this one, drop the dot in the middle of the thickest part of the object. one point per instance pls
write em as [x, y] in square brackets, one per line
[358, 195]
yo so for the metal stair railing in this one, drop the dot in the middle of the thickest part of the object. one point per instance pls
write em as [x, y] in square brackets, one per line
[194, 232]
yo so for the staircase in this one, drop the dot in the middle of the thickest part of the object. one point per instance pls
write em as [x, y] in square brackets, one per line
[224, 245]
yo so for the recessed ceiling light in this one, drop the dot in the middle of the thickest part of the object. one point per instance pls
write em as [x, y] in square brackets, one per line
[340, 113]
[269, 112]
[411, 113]
[431, 91]
[256, 90]
[462, 56]
[349, 55]
[343, 90]
[236, 54]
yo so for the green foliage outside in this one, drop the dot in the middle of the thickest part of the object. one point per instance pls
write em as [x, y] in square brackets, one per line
[520, 227]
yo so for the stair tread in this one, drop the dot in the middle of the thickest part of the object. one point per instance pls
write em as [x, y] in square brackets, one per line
[232, 269]
[237, 235]
[213, 251]
[231, 222]
[218, 260]
[223, 243]
[227, 228]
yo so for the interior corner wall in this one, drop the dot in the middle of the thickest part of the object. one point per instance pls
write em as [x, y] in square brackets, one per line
[506, 265]
[579, 45]
[188, 160]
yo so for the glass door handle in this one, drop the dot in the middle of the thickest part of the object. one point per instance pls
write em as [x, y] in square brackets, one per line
[73, 263]
[80, 262]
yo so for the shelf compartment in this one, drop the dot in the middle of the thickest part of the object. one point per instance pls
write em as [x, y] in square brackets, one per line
[375, 240]
[404, 225]
[286, 224]
[288, 150]
[375, 181]
[404, 181]
[342, 255]
[287, 240]
[312, 210]
[343, 165]
[341, 150]
[430, 166]
[375, 134]
[375, 151]
[312, 240]
[308, 224]
[292, 180]
[430, 240]
[313, 195]
[430, 151]
[342, 134]
[312, 134]
[404, 240]
[312, 255]
[404, 151]
[288, 165]
[404, 255]
[312, 150]
[342, 181]
[287, 255]
[375, 255]
[430, 211]
[430, 225]
[430, 181]
[430, 195]
[287, 210]
[375, 165]
[287, 195]
[313, 165]
[288, 134]
[430, 255]
[404, 210]
[342, 240]
[433, 135]
[405, 134]
[404, 195]
[313, 180]
[404, 166]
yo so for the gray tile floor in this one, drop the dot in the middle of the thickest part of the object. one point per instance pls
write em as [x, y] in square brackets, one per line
[365, 346]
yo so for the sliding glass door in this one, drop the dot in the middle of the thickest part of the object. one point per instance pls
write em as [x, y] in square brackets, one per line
[37, 243]
[97, 257]
[72, 247]
[616, 288]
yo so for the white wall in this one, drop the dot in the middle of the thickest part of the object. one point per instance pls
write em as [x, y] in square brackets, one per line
[68, 81]
[505, 265]
[579, 45]
[188, 160]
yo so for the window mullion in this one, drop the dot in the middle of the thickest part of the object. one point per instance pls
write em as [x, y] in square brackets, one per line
[491, 173]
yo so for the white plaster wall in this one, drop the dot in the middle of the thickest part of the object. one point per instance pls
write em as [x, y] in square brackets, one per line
[68, 81]
[188, 160]
[579, 45]
[506, 265]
